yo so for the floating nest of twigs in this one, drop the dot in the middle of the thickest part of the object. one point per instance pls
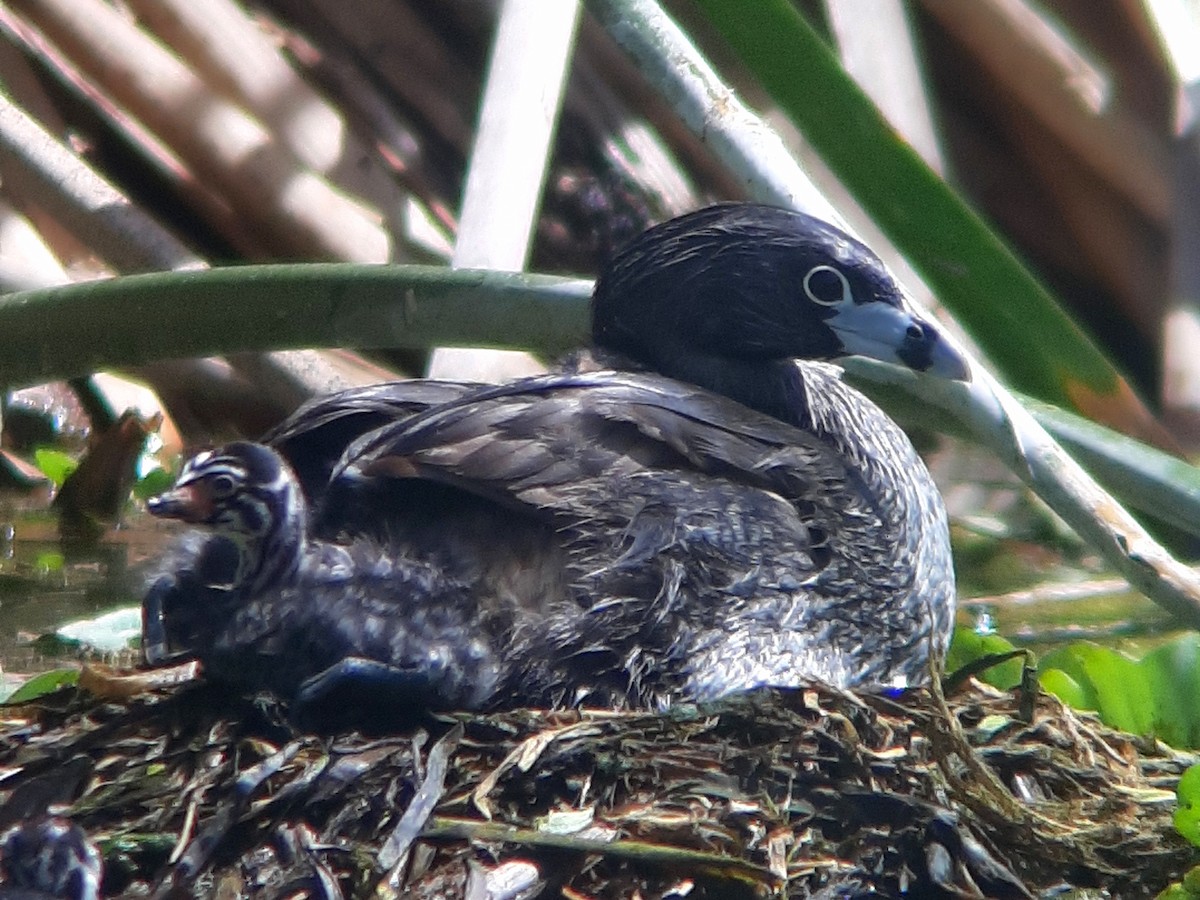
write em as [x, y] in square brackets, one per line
[804, 793]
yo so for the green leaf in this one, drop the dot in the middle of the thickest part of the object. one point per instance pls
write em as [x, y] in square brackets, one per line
[1172, 674]
[1069, 664]
[969, 645]
[1187, 814]
[1116, 684]
[50, 561]
[54, 464]
[1191, 880]
[1158, 694]
[1175, 892]
[1067, 689]
[45, 683]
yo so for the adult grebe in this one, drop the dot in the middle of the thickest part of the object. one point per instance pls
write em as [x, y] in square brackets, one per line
[736, 517]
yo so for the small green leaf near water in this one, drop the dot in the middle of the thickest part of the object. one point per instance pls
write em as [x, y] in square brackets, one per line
[1176, 892]
[1115, 683]
[969, 646]
[45, 683]
[1187, 814]
[1172, 673]
[1158, 694]
[55, 464]
[50, 561]
[1067, 689]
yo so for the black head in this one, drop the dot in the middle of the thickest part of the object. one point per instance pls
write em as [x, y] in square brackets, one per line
[227, 489]
[747, 282]
[250, 498]
[239, 488]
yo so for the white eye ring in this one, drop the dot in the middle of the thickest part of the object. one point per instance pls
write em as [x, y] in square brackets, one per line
[846, 297]
[224, 486]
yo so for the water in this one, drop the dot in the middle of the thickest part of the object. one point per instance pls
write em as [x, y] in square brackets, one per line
[43, 586]
[1105, 611]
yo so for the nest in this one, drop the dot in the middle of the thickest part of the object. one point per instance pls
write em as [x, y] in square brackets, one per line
[811, 793]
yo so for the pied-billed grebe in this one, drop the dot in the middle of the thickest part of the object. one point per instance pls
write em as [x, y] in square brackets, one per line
[742, 518]
[285, 607]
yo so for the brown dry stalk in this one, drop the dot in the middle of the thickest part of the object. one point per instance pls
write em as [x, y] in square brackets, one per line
[301, 213]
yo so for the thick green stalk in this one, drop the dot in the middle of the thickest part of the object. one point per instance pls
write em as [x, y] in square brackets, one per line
[76, 329]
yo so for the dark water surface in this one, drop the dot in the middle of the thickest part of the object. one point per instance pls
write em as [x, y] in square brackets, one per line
[44, 586]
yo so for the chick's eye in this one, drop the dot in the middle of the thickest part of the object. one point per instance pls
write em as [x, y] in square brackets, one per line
[827, 286]
[222, 486]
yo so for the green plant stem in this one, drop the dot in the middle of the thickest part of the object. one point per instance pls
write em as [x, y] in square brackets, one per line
[72, 330]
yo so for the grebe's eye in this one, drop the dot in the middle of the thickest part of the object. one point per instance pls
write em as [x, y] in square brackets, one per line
[827, 286]
[222, 486]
